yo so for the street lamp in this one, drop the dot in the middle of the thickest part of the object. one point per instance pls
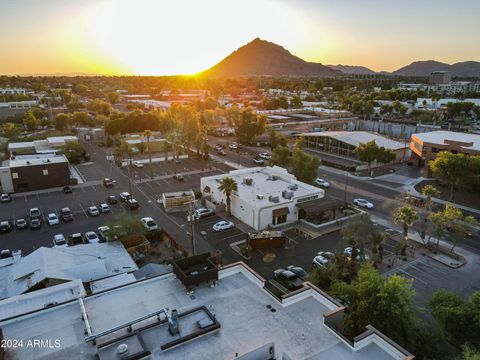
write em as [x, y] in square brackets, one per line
[346, 186]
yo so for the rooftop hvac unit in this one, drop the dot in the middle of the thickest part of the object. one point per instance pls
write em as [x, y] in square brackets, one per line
[293, 187]
[248, 181]
[260, 196]
[272, 177]
[274, 199]
[287, 194]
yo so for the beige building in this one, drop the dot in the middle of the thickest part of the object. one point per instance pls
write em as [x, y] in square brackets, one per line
[426, 146]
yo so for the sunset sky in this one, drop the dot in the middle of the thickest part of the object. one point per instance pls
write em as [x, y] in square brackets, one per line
[159, 37]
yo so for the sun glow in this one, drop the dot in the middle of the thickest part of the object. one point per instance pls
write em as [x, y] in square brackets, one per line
[151, 37]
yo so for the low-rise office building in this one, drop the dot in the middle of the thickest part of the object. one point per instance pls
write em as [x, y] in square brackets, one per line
[426, 146]
[50, 145]
[265, 195]
[156, 319]
[34, 172]
[343, 143]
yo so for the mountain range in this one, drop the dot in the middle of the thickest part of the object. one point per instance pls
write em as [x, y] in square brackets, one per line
[263, 58]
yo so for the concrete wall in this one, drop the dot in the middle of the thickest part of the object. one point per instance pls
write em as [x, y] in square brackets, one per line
[32, 178]
[6, 179]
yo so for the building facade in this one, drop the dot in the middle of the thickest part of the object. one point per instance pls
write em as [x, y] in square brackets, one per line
[265, 196]
[426, 146]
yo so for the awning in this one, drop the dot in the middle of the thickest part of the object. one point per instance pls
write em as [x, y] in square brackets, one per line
[281, 211]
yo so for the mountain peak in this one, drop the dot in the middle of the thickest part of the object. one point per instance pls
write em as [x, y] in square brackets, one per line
[261, 57]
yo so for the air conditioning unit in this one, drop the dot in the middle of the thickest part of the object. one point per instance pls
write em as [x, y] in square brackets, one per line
[287, 194]
[274, 198]
[293, 187]
[260, 196]
[248, 181]
[272, 177]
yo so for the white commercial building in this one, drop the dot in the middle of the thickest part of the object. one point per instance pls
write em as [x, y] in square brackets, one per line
[266, 195]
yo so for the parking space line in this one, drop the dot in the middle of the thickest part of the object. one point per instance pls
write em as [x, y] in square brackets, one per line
[413, 277]
[84, 212]
[234, 236]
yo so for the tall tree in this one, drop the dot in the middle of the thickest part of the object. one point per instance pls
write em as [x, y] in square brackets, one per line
[385, 156]
[10, 130]
[407, 217]
[62, 122]
[450, 169]
[367, 152]
[148, 135]
[30, 121]
[304, 166]
[248, 126]
[227, 186]
[429, 191]
[384, 302]
[281, 156]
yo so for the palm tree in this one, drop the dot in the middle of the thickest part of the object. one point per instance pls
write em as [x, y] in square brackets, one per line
[407, 216]
[148, 134]
[227, 186]
[428, 191]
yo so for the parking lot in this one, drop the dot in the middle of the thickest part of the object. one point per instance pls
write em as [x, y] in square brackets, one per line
[429, 275]
[28, 240]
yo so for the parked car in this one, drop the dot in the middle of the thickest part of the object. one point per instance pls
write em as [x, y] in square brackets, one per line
[34, 213]
[222, 152]
[322, 258]
[103, 233]
[124, 196]
[223, 225]
[108, 183]
[178, 177]
[59, 241]
[138, 164]
[67, 190]
[348, 253]
[35, 223]
[5, 226]
[288, 278]
[218, 147]
[5, 253]
[258, 161]
[233, 146]
[112, 200]
[93, 211]
[91, 237]
[21, 224]
[149, 224]
[363, 203]
[4, 198]
[322, 182]
[299, 271]
[265, 156]
[104, 208]
[132, 204]
[75, 239]
[202, 213]
[66, 214]
[52, 219]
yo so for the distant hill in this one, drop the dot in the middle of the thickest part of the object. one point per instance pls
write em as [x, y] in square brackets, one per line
[261, 57]
[352, 69]
[425, 68]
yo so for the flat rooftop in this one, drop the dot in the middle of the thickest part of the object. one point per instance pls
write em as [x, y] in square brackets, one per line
[355, 138]
[441, 137]
[32, 160]
[238, 302]
[266, 181]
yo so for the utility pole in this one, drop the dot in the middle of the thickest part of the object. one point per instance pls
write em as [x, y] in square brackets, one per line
[129, 164]
[190, 216]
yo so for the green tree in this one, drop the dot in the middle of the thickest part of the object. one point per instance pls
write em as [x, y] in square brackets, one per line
[10, 130]
[277, 139]
[74, 151]
[100, 107]
[450, 169]
[470, 353]
[227, 186]
[281, 156]
[113, 97]
[30, 121]
[141, 147]
[429, 191]
[124, 226]
[407, 217]
[383, 302]
[248, 126]
[81, 118]
[304, 166]
[296, 102]
[357, 232]
[62, 122]
[367, 152]
[458, 320]
[335, 270]
[148, 135]
[385, 156]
